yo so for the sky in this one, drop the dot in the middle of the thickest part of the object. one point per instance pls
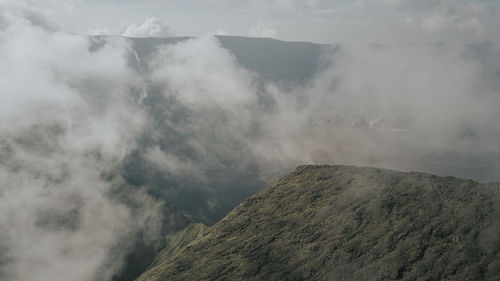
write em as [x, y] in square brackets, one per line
[321, 21]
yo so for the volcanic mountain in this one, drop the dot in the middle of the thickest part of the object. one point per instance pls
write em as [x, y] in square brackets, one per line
[346, 223]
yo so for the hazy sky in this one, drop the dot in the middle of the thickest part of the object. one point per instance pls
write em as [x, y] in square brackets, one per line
[323, 21]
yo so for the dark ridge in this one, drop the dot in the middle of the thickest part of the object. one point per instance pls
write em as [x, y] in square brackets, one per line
[275, 60]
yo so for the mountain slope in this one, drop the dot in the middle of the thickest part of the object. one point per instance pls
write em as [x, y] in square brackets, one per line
[348, 223]
[178, 241]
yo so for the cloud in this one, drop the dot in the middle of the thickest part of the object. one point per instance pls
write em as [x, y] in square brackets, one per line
[168, 162]
[377, 21]
[102, 30]
[290, 7]
[149, 27]
[262, 29]
[217, 95]
[420, 107]
[146, 27]
[467, 18]
[68, 118]
[201, 73]
[389, 106]
[452, 20]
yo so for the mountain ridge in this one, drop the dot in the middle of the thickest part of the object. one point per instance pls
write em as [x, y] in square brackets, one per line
[350, 223]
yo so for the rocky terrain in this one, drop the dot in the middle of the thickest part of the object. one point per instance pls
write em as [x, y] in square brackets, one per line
[346, 223]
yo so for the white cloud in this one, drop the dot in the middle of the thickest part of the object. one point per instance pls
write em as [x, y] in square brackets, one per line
[202, 73]
[437, 22]
[262, 29]
[173, 164]
[68, 117]
[409, 20]
[389, 106]
[149, 27]
[102, 30]
[450, 20]
[332, 21]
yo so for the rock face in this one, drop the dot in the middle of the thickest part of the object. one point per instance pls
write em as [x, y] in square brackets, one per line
[349, 223]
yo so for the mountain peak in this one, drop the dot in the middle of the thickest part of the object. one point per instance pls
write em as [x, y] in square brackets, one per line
[351, 223]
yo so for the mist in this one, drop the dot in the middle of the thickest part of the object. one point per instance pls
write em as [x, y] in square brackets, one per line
[69, 115]
[422, 107]
[97, 133]
[427, 107]
[229, 114]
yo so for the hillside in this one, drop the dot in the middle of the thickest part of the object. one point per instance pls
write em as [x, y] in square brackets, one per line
[349, 223]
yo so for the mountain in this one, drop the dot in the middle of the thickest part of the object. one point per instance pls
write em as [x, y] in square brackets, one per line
[349, 223]
[272, 60]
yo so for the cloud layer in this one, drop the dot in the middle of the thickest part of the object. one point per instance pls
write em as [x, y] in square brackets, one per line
[149, 27]
[338, 21]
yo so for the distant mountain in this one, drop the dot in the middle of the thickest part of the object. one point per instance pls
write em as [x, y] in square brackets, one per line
[349, 223]
[272, 60]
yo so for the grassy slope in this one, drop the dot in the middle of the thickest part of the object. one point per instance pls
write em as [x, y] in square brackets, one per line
[348, 223]
[174, 243]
